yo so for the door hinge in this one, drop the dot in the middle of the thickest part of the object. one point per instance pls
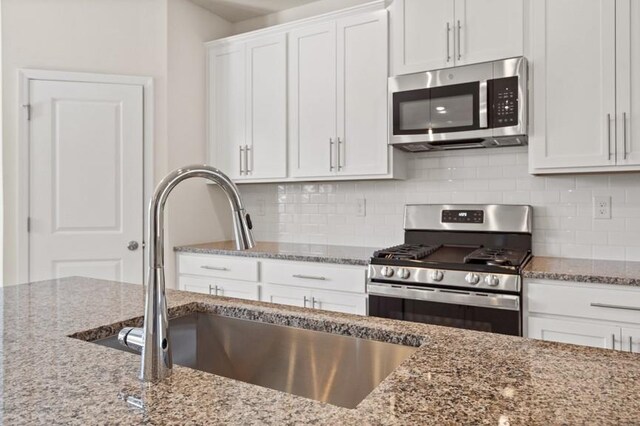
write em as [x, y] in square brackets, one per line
[27, 108]
[28, 224]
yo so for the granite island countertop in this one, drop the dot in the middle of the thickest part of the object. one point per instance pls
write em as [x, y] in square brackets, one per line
[323, 253]
[584, 270]
[456, 376]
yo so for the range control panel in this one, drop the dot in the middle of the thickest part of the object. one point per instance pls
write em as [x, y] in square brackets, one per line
[504, 101]
[462, 216]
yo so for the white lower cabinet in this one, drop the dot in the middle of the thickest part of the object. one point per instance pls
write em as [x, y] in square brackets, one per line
[596, 315]
[338, 288]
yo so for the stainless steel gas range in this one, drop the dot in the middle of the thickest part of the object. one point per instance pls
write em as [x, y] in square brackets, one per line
[460, 266]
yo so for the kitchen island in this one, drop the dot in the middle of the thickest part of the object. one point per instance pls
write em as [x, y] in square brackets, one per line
[456, 376]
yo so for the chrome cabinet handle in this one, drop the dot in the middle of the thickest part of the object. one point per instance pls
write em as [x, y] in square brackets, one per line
[313, 302]
[624, 133]
[309, 277]
[606, 305]
[248, 169]
[304, 301]
[613, 341]
[459, 44]
[631, 344]
[448, 32]
[331, 154]
[214, 268]
[133, 245]
[609, 134]
[340, 142]
[215, 288]
[241, 155]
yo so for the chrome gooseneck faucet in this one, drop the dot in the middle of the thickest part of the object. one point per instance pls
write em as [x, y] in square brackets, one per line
[153, 338]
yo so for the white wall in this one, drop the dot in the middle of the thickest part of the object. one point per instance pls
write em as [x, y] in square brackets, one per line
[563, 212]
[305, 11]
[191, 216]
[114, 37]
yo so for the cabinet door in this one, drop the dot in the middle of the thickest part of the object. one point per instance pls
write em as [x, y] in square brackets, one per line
[628, 81]
[577, 333]
[631, 340]
[422, 35]
[267, 107]
[227, 108]
[237, 289]
[312, 86]
[573, 58]
[487, 30]
[339, 302]
[286, 295]
[362, 147]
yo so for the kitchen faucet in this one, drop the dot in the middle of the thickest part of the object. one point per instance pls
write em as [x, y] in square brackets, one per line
[153, 339]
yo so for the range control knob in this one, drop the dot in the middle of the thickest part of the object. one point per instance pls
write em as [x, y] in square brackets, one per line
[386, 271]
[404, 273]
[492, 280]
[437, 275]
[472, 278]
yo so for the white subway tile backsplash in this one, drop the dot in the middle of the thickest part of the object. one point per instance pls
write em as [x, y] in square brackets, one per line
[563, 205]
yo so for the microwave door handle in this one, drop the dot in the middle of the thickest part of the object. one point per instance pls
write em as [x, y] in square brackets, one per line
[483, 106]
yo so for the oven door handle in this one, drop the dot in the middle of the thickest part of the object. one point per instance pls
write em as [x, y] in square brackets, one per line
[506, 302]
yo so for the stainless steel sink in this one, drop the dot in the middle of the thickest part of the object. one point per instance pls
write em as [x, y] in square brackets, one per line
[327, 367]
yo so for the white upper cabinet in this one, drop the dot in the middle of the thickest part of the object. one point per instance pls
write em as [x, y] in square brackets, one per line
[422, 35]
[573, 57]
[486, 30]
[227, 124]
[586, 86]
[433, 34]
[248, 108]
[312, 82]
[628, 82]
[266, 107]
[362, 94]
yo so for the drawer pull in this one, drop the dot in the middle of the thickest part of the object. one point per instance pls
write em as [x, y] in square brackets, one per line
[304, 301]
[214, 268]
[605, 305]
[613, 341]
[630, 343]
[309, 277]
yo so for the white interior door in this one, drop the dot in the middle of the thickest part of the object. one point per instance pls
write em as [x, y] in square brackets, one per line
[86, 180]
[312, 83]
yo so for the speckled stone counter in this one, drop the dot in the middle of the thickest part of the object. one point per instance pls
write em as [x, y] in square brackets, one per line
[344, 255]
[456, 377]
[584, 270]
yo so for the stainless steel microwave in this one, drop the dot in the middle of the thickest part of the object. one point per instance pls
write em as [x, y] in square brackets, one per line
[475, 106]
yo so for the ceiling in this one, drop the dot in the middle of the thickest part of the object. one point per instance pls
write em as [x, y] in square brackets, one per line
[239, 10]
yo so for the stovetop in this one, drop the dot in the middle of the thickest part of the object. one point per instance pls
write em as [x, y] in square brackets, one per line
[458, 257]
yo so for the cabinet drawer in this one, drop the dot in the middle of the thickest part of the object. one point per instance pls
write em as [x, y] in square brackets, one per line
[606, 303]
[576, 333]
[220, 287]
[227, 267]
[327, 277]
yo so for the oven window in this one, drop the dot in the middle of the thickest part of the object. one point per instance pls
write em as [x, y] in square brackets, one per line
[452, 108]
[459, 316]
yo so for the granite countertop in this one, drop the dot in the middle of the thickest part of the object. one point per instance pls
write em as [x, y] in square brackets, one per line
[344, 255]
[456, 377]
[584, 270]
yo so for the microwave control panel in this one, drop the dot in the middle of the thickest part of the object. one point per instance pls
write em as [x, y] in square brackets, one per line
[504, 101]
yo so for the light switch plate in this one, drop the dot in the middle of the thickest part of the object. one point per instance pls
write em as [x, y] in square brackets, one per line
[602, 207]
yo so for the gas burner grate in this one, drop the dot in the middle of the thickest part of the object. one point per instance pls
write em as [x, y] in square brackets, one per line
[406, 252]
[496, 256]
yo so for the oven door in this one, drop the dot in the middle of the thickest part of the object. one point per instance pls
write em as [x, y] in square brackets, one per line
[495, 313]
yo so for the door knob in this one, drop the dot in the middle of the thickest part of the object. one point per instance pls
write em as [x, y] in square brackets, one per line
[133, 245]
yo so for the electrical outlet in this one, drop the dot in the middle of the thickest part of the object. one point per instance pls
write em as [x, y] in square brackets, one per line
[602, 207]
[361, 207]
[261, 208]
